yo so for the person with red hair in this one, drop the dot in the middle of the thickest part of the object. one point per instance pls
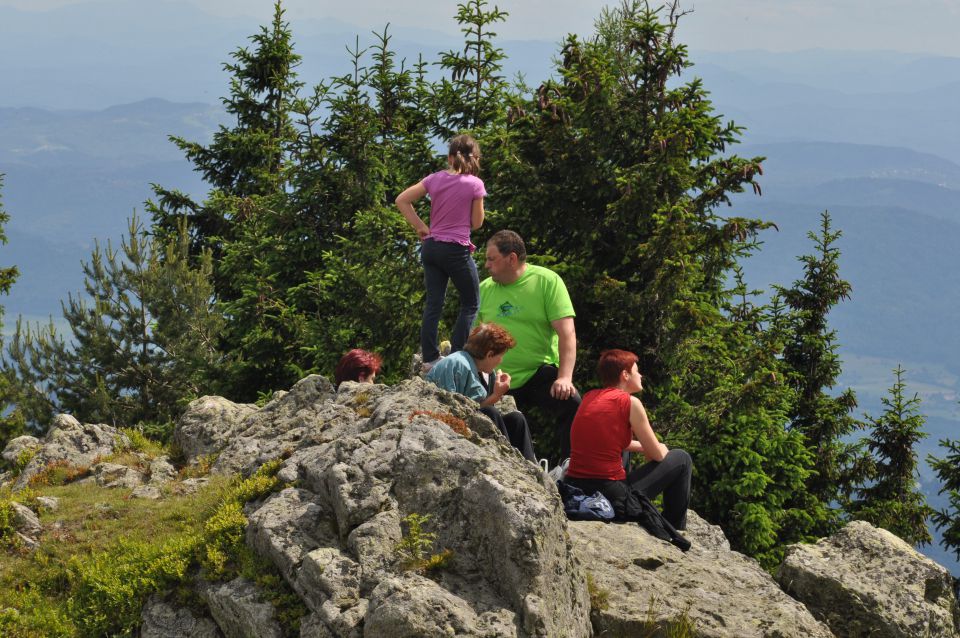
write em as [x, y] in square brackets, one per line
[357, 365]
[611, 421]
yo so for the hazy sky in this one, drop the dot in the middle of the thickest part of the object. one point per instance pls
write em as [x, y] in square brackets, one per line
[921, 26]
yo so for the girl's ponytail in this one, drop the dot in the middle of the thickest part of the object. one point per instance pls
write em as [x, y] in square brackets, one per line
[465, 155]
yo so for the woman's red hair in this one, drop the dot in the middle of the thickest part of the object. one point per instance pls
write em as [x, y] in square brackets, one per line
[356, 364]
[612, 363]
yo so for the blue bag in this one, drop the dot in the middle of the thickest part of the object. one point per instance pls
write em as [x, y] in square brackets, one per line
[580, 507]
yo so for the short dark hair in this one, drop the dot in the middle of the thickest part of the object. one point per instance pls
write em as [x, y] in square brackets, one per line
[508, 242]
[612, 363]
[487, 338]
[356, 364]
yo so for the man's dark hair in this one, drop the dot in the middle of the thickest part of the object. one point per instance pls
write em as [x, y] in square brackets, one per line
[508, 242]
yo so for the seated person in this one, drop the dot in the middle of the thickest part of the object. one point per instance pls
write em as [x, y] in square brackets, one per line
[461, 371]
[611, 421]
[357, 365]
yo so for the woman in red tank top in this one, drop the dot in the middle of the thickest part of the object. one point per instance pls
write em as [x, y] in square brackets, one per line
[611, 421]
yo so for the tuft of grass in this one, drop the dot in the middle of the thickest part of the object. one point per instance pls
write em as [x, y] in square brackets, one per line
[23, 459]
[599, 596]
[456, 424]
[200, 468]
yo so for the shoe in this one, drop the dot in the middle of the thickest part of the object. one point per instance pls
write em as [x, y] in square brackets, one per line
[426, 367]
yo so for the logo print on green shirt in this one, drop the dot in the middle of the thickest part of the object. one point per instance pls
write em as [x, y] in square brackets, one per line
[507, 309]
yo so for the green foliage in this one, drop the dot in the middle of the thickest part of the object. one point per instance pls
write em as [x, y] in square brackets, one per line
[813, 365]
[108, 590]
[892, 500]
[222, 541]
[139, 442]
[12, 423]
[142, 338]
[413, 550]
[947, 469]
[23, 460]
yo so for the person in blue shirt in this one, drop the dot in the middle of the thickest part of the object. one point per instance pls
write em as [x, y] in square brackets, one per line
[473, 373]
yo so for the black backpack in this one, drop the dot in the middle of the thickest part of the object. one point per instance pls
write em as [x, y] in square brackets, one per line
[649, 518]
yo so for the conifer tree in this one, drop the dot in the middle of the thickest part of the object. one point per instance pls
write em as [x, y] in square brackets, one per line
[12, 423]
[892, 499]
[814, 366]
[143, 338]
[473, 96]
[947, 520]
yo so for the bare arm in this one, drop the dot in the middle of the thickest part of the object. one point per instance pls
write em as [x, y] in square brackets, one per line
[476, 214]
[653, 450]
[563, 387]
[405, 202]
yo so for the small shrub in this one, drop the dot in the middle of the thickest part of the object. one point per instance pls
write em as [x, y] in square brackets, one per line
[7, 527]
[23, 460]
[200, 468]
[108, 589]
[222, 541]
[413, 550]
[456, 424]
[140, 442]
[57, 473]
[288, 606]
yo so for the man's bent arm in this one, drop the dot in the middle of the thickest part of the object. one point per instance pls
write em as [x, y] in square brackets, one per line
[566, 331]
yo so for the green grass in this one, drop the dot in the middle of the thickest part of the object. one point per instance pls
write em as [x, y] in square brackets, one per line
[90, 530]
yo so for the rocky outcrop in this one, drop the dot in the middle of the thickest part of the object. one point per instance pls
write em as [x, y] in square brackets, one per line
[865, 581]
[20, 447]
[207, 425]
[643, 586]
[164, 620]
[370, 456]
[71, 442]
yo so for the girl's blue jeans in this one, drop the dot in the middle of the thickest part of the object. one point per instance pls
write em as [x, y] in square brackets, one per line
[443, 262]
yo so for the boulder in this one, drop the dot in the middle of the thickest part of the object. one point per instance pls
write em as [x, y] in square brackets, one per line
[240, 610]
[865, 581]
[150, 492]
[643, 586]
[25, 520]
[207, 425]
[75, 443]
[20, 445]
[114, 475]
[161, 471]
[377, 455]
[166, 620]
[48, 503]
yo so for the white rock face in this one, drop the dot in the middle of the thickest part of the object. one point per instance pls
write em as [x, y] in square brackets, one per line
[865, 581]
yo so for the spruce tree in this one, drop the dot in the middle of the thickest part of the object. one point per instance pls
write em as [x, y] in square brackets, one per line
[813, 365]
[12, 423]
[892, 499]
[947, 520]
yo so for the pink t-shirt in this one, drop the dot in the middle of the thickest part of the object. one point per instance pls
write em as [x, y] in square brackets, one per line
[451, 202]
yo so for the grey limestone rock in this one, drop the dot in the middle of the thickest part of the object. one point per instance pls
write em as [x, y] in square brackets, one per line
[207, 426]
[651, 585]
[25, 520]
[114, 475]
[865, 581]
[16, 447]
[165, 620]
[378, 454]
[73, 442]
[161, 471]
[240, 610]
[150, 492]
[48, 503]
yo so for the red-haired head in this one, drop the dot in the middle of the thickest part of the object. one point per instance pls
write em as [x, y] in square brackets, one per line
[357, 365]
[612, 364]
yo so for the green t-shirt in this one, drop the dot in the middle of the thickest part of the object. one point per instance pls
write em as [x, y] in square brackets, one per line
[525, 308]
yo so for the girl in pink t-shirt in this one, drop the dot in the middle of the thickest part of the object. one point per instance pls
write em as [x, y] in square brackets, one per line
[456, 208]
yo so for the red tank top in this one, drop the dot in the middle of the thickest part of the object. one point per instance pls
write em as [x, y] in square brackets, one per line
[599, 434]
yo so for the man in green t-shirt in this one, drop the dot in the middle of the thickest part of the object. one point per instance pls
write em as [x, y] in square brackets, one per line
[532, 303]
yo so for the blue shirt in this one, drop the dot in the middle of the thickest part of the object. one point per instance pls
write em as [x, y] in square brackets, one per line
[458, 373]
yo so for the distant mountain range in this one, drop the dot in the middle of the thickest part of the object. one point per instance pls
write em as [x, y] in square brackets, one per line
[873, 137]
